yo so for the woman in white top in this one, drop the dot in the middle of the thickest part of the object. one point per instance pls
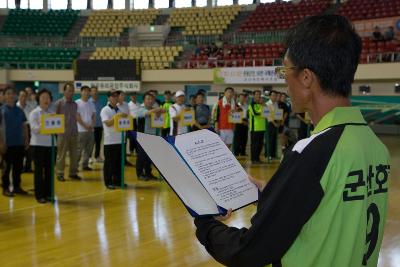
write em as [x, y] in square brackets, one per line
[41, 147]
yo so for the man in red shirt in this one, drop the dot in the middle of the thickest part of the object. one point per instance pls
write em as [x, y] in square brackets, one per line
[222, 110]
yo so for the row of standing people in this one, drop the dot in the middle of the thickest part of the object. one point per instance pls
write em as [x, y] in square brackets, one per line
[87, 118]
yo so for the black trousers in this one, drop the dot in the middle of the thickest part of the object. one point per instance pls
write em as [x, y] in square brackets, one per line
[28, 154]
[272, 139]
[42, 174]
[143, 163]
[240, 139]
[132, 141]
[98, 134]
[14, 160]
[112, 165]
[165, 132]
[257, 143]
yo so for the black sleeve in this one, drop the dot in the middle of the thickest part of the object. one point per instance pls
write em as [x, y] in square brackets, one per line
[286, 204]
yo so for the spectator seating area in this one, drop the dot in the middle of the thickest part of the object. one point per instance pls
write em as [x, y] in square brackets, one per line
[39, 23]
[41, 58]
[152, 57]
[203, 21]
[111, 23]
[247, 55]
[282, 15]
[369, 9]
[379, 51]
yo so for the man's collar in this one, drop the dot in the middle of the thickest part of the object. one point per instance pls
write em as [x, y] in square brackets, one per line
[66, 101]
[340, 116]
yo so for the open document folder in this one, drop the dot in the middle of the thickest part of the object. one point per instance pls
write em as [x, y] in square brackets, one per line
[201, 170]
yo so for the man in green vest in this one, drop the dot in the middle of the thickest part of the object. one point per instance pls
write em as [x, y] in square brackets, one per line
[166, 105]
[326, 204]
[257, 127]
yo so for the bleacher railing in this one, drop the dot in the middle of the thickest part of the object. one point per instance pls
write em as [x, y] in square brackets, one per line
[92, 42]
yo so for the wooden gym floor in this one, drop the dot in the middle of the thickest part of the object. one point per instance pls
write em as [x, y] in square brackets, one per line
[144, 225]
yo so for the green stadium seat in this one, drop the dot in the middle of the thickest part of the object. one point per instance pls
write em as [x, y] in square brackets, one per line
[41, 58]
[39, 23]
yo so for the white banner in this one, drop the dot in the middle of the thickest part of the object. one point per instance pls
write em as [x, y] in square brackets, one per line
[127, 86]
[247, 75]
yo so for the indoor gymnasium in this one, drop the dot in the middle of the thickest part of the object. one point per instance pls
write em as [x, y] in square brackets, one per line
[200, 133]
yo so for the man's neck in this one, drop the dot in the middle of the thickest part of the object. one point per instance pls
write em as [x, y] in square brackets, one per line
[323, 105]
[84, 99]
[11, 105]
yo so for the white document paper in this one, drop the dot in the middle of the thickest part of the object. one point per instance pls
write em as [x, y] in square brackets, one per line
[202, 171]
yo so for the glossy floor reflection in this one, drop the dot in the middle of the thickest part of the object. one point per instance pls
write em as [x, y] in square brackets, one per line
[144, 225]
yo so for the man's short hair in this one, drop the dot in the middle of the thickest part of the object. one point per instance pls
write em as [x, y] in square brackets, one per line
[168, 92]
[112, 92]
[9, 89]
[199, 94]
[149, 93]
[85, 87]
[66, 85]
[229, 88]
[329, 46]
[257, 91]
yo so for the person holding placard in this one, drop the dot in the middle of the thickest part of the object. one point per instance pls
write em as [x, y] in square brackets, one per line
[145, 115]
[16, 139]
[112, 143]
[175, 114]
[68, 141]
[123, 108]
[222, 109]
[41, 148]
[257, 125]
[202, 113]
[86, 118]
[241, 129]
[166, 105]
[326, 205]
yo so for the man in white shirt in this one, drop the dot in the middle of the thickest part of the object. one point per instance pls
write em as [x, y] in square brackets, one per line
[122, 105]
[86, 120]
[175, 112]
[112, 143]
[123, 108]
[31, 98]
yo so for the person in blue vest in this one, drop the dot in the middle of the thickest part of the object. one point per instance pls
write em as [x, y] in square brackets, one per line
[16, 140]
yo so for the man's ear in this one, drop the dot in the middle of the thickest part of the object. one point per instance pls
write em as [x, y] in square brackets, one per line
[307, 77]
